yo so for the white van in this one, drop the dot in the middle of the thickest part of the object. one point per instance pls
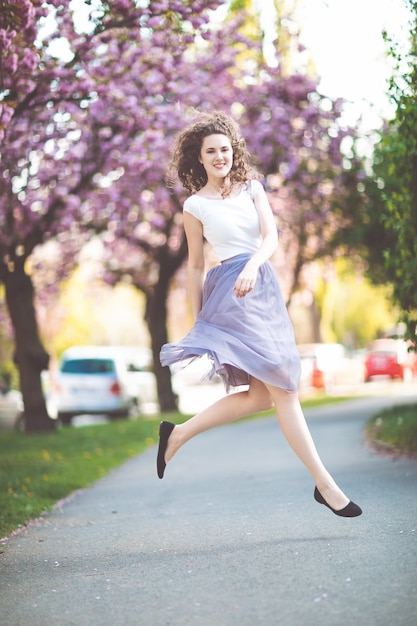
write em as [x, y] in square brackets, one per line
[115, 381]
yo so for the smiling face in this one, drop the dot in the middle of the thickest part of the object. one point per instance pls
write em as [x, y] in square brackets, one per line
[216, 157]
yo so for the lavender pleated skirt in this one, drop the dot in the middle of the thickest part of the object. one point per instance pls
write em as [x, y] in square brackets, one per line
[243, 337]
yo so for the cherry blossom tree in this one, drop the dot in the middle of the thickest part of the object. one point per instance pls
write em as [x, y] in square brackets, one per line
[55, 133]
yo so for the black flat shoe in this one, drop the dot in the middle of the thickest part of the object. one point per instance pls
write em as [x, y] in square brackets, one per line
[165, 429]
[350, 510]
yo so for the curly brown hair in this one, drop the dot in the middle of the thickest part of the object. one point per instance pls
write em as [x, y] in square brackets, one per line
[187, 148]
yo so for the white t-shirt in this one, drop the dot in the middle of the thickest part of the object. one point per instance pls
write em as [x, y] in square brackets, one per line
[230, 225]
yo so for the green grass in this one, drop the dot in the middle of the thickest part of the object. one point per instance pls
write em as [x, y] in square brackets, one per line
[321, 398]
[36, 471]
[395, 430]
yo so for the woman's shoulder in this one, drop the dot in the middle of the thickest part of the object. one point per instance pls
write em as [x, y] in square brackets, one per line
[192, 204]
[254, 186]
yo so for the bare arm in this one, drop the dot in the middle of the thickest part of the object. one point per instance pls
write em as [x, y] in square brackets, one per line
[247, 278]
[195, 269]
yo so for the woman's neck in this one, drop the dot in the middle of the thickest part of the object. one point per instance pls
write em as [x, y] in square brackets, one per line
[214, 187]
[218, 187]
[214, 192]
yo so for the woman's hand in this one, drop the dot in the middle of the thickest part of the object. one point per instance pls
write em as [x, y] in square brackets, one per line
[245, 282]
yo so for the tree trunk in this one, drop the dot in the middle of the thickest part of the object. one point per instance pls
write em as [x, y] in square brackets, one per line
[31, 358]
[315, 316]
[156, 319]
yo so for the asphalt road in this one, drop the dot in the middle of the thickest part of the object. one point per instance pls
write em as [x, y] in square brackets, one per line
[230, 537]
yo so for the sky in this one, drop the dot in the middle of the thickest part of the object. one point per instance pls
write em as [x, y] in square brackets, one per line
[345, 41]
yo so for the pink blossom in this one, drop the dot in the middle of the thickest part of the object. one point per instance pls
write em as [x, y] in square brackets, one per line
[87, 141]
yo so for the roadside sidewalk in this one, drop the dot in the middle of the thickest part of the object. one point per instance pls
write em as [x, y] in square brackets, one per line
[230, 537]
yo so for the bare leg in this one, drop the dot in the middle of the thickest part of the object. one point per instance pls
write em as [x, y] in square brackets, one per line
[296, 432]
[227, 409]
[261, 397]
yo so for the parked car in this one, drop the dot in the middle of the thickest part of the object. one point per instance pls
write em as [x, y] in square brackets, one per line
[324, 365]
[104, 380]
[390, 357]
[11, 407]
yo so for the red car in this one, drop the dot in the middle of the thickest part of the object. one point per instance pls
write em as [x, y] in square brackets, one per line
[390, 357]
